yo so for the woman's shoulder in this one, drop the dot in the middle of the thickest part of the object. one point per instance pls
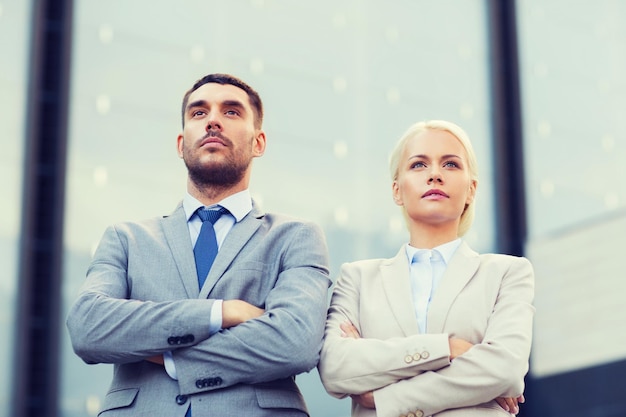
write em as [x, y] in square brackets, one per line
[505, 261]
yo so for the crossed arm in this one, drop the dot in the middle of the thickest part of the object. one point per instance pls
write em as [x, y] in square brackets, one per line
[457, 348]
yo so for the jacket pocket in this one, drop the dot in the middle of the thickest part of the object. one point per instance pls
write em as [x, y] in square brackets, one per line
[273, 397]
[119, 398]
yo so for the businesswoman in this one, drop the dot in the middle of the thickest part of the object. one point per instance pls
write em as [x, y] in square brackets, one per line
[437, 330]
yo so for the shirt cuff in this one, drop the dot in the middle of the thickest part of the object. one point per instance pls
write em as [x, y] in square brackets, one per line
[170, 368]
[215, 324]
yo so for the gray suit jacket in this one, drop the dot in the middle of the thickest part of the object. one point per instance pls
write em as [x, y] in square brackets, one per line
[141, 299]
[484, 299]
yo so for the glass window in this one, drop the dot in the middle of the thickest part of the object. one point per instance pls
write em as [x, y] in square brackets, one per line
[341, 82]
[14, 25]
[572, 66]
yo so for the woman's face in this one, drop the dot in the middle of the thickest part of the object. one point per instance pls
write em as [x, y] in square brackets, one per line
[434, 184]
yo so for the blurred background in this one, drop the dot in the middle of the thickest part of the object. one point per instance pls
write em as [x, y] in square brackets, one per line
[90, 96]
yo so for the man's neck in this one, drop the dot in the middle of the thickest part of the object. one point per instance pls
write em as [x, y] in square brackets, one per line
[209, 195]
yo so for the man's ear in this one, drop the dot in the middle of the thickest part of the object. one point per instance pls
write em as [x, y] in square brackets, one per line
[259, 143]
[179, 145]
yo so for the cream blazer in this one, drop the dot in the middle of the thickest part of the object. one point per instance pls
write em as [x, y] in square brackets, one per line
[484, 299]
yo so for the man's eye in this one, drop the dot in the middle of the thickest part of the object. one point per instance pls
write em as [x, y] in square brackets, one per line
[198, 113]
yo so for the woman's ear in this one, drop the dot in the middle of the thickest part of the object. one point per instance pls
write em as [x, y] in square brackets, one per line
[395, 190]
[472, 192]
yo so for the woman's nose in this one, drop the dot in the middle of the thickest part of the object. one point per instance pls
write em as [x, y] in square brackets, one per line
[435, 176]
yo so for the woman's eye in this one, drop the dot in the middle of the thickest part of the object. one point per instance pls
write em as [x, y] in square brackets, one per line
[418, 164]
[451, 164]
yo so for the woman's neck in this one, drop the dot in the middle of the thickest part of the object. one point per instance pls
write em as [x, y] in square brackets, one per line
[428, 236]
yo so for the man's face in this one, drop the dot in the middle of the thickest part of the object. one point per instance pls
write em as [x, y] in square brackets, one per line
[219, 139]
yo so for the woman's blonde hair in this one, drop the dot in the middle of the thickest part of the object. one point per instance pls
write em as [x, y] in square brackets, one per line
[467, 217]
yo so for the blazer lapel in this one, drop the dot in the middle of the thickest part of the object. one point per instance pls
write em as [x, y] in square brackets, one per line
[397, 287]
[177, 235]
[460, 270]
[236, 239]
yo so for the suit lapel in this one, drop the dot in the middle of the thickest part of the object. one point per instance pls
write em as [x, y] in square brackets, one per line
[397, 287]
[236, 239]
[460, 270]
[177, 235]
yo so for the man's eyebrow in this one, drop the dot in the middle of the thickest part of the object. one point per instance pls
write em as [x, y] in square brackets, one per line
[197, 103]
[225, 103]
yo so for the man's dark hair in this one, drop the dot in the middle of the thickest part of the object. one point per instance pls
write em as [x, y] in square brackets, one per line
[253, 96]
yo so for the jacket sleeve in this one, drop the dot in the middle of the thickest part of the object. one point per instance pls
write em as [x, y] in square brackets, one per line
[493, 368]
[106, 326]
[354, 366]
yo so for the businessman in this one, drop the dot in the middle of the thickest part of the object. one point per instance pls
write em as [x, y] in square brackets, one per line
[214, 309]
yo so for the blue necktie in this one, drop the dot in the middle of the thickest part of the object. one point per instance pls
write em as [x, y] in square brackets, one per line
[205, 250]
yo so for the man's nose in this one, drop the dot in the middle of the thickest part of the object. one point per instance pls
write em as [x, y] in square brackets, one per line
[213, 122]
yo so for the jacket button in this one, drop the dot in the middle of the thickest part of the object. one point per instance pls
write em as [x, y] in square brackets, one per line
[171, 340]
[425, 354]
[408, 359]
[200, 383]
[181, 399]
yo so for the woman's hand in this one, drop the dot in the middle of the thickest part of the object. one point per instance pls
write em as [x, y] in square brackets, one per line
[349, 330]
[511, 404]
[366, 399]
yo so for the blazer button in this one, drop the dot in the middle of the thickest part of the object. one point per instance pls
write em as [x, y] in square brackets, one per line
[419, 413]
[417, 357]
[408, 359]
[218, 381]
[425, 354]
[410, 415]
[200, 383]
[171, 340]
[181, 399]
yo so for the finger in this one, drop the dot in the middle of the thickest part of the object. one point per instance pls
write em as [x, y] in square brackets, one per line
[502, 403]
[349, 330]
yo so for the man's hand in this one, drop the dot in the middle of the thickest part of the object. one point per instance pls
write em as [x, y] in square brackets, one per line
[366, 400]
[458, 347]
[511, 404]
[235, 312]
[158, 359]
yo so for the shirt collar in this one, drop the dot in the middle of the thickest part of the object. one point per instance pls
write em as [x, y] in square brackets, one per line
[238, 204]
[446, 250]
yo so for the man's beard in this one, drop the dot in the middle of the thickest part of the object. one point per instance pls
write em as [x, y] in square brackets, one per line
[222, 175]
